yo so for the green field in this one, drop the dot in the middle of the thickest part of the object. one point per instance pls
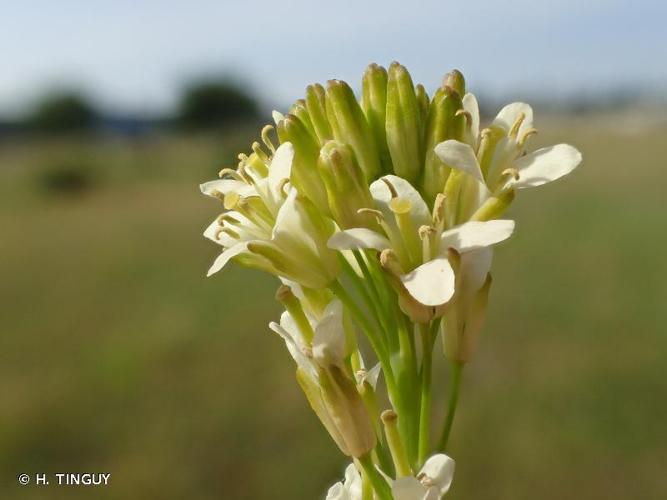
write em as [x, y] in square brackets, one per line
[117, 355]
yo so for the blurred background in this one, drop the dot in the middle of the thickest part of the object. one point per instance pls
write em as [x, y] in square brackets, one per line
[117, 355]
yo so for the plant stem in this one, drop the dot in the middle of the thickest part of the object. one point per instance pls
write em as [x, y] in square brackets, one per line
[379, 484]
[457, 368]
[375, 341]
[425, 408]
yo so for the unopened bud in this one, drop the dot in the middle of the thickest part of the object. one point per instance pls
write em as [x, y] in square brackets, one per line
[403, 124]
[443, 124]
[374, 104]
[349, 125]
[305, 176]
[316, 105]
[345, 184]
[454, 80]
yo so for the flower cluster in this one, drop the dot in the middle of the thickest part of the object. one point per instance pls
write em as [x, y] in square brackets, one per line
[380, 218]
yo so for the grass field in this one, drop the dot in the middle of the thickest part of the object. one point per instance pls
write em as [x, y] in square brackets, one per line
[117, 355]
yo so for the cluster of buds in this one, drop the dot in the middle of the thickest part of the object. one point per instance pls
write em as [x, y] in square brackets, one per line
[379, 217]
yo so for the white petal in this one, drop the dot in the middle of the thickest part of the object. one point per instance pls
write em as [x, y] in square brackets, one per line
[329, 339]
[546, 165]
[476, 234]
[373, 375]
[440, 469]
[471, 106]
[212, 232]
[432, 283]
[408, 488]
[380, 192]
[337, 492]
[226, 186]
[280, 168]
[228, 254]
[353, 482]
[459, 155]
[358, 238]
[509, 114]
[475, 266]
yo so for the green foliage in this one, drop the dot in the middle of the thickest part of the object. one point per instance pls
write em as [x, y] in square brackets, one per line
[215, 103]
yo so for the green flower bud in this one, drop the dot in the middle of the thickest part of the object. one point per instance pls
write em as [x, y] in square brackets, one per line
[374, 104]
[316, 105]
[349, 125]
[443, 123]
[345, 184]
[403, 124]
[454, 80]
[300, 110]
[305, 176]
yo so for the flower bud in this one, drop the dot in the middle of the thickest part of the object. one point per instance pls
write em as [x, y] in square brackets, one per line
[301, 112]
[316, 105]
[443, 124]
[349, 125]
[454, 80]
[345, 183]
[374, 104]
[403, 124]
[305, 176]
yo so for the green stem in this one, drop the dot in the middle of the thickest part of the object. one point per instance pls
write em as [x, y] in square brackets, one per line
[379, 484]
[457, 368]
[425, 409]
[376, 342]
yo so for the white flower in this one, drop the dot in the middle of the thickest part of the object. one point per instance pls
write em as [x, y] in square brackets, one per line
[269, 227]
[431, 483]
[430, 278]
[432, 283]
[349, 488]
[501, 151]
[328, 346]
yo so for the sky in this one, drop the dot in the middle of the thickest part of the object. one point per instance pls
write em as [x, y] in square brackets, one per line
[137, 55]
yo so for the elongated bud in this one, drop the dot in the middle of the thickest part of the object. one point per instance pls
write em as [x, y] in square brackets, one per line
[316, 105]
[346, 186]
[301, 112]
[454, 79]
[403, 124]
[349, 125]
[305, 176]
[464, 319]
[443, 124]
[374, 104]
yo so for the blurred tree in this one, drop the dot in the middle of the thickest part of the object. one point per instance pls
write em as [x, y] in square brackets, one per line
[62, 112]
[215, 103]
